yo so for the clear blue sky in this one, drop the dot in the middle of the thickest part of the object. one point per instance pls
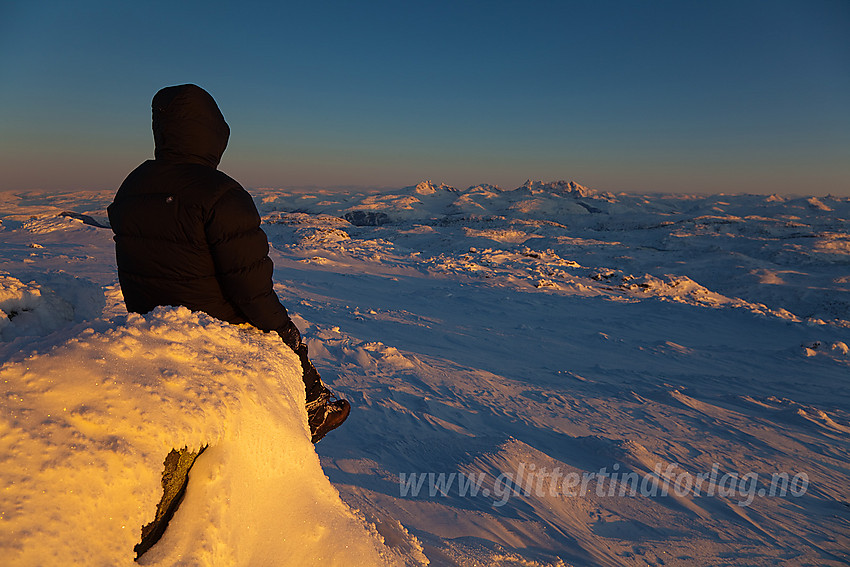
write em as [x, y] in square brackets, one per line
[639, 95]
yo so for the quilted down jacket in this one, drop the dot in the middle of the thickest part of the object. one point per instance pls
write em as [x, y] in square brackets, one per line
[186, 233]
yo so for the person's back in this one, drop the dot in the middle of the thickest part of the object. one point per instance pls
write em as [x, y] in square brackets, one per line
[161, 223]
[187, 234]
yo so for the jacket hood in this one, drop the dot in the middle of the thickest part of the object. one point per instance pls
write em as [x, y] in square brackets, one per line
[188, 126]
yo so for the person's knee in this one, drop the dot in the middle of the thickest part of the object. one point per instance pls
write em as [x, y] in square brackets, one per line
[291, 336]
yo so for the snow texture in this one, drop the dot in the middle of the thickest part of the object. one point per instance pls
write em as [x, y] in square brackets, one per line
[543, 376]
[86, 427]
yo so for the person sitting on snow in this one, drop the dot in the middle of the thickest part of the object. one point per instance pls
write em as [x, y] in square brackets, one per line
[187, 234]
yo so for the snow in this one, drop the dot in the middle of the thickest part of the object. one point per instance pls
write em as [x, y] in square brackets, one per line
[543, 376]
[30, 308]
[86, 427]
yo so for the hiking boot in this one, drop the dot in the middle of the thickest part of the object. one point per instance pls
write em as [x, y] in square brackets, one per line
[326, 413]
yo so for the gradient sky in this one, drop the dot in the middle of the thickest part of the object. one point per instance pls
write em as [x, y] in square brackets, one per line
[672, 96]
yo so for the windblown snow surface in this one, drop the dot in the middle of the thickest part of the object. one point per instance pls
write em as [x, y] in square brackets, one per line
[545, 376]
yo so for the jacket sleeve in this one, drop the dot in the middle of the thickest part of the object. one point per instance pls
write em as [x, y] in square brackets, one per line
[240, 250]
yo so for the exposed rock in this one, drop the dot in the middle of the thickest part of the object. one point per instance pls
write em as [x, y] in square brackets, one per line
[175, 477]
[367, 218]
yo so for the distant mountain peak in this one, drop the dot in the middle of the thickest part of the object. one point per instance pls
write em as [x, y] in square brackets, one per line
[815, 203]
[570, 188]
[429, 188]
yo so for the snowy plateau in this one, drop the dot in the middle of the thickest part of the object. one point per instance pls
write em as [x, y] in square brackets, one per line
[544, 376]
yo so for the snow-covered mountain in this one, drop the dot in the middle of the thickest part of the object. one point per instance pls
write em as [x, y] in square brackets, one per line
[546, 375]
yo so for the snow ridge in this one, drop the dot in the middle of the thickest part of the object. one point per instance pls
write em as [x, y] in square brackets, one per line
[86, 451]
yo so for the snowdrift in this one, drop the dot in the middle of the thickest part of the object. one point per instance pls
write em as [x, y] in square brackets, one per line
[30, 309]
[85, 426]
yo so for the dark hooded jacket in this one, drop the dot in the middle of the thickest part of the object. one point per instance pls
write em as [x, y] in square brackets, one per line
[186, 233]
